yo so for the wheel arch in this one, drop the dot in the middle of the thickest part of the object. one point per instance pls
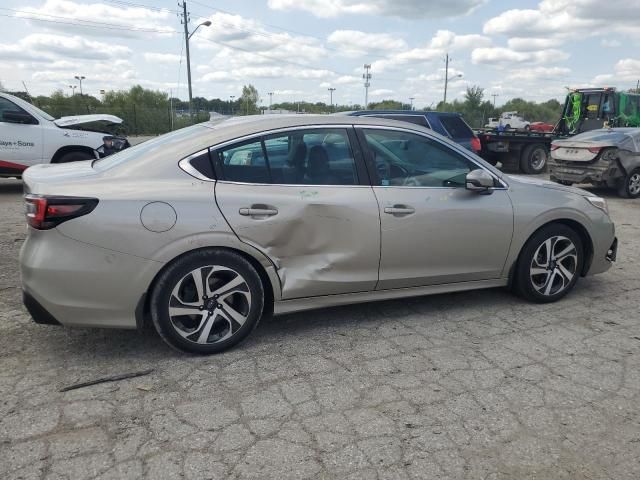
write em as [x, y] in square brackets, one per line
[587, 244]
[143, 309]
[69, 149]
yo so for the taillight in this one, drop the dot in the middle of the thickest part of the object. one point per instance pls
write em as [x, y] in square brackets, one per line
[475, 144]
[554, 147]
[44, 212]
[594, 149]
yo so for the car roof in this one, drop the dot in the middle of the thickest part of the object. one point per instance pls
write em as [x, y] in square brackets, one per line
[400, 112]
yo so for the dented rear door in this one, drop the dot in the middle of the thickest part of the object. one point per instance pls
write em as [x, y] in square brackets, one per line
[323, 239]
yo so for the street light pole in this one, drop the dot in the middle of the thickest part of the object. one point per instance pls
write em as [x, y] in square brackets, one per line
[80, 78]
[411, 99]
[231, 97]
[494, 95]
[270, 99]
[73, 89]
[331, 90]
[187, 36]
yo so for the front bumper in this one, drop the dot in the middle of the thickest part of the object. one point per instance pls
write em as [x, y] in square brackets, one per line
[77, 284]
[598, 173]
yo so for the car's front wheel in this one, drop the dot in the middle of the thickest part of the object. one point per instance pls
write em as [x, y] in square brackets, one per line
[549, 264]
[630, 185]
[207, 301]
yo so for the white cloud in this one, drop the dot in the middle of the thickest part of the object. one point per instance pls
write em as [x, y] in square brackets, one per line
[353, 43]
[46, 46]
[507, 57]
[163, 58]
[410, 9]
[144, 19]
[610, 43]
[536, 74]
[521, 44]
[379, 92]
[625, 70]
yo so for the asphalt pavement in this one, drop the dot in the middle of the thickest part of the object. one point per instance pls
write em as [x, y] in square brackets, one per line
[473, 385]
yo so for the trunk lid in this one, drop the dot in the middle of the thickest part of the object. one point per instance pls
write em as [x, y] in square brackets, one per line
[54, 178]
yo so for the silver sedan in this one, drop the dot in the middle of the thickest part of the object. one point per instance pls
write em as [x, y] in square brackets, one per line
[206, 230]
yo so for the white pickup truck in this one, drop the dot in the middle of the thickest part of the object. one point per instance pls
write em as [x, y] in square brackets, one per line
[29, 136]
[513, 120]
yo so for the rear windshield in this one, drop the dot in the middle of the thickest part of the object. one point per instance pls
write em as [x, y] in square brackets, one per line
[600, 136]
[154, 145]
[415, 119]
[456, 127]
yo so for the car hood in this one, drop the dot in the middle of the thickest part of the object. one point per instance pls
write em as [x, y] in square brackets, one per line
[539, 182]
[81, 119]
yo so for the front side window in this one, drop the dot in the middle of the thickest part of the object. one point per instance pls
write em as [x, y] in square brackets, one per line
[405, 159]
[12, 113]
[320, 156]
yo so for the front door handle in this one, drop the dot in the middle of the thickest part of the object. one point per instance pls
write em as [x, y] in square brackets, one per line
[258, 212]
[399, 210]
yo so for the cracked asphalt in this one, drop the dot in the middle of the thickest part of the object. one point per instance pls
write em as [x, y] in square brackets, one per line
[476, 385]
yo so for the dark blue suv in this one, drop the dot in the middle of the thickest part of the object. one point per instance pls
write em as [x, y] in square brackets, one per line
[450, 125]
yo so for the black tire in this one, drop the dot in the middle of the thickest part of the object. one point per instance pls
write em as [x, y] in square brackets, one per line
[534, 159]
[524, 283]
[177, 275]
[527, 128]
[565, 182]
[75, 156]
[507, 126]
[628, 186]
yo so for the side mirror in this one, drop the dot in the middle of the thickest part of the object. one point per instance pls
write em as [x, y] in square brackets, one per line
[16, 116]
[479, 181]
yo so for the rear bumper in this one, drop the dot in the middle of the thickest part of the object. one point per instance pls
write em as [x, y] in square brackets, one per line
[600, 172]
[77, 284]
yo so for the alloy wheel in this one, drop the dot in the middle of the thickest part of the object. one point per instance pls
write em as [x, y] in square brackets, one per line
[554, 265]
[209, 304]
[634, 184]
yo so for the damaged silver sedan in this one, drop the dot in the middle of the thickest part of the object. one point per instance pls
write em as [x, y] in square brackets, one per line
[604, 158]
[206, 230]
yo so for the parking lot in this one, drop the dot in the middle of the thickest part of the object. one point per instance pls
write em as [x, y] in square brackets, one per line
[474, 385]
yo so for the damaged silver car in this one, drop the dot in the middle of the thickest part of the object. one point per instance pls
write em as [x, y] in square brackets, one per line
[604, 158]
[206, 230]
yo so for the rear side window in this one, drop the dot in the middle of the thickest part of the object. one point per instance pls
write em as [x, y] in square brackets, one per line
[415, 119]
[300, 157]
[456, 127]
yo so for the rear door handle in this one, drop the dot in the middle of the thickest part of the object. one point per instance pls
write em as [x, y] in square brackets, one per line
[399, 210]
[265, 212]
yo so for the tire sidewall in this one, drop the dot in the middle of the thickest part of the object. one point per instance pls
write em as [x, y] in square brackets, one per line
[178, 270]
[624, 188]
[523, 279]
[525, 163]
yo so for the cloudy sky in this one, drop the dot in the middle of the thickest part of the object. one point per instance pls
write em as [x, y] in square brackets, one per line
[299, 48]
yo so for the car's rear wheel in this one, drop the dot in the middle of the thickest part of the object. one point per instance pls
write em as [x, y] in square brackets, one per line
[630, 185]
[207, 301]
[549, 264]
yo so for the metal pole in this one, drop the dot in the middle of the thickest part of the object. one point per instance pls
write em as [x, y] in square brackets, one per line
[446, 77]
[411, 99]
[366, 76]
[185, 21]
[270, 99]
[331, 90]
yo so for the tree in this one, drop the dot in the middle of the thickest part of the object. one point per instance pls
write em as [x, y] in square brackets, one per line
[249, 100]
[473, 97]
[386, 105]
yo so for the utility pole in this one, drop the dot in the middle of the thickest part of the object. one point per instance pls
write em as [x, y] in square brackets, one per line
[185, 22]
[187, 36]
[80, 78]
[270, 100]
[231, 97]
[331, 90]
[411, 99]
[494, 95]
[446, 76]
[366, 76]
[638, 86]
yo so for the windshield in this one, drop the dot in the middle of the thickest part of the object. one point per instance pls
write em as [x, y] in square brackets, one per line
[29, 106]
[154, 145]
